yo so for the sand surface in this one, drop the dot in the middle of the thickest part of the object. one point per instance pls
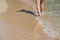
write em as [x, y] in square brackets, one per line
[18, 25]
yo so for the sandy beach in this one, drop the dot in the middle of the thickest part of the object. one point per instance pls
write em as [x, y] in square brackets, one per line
[19, 25]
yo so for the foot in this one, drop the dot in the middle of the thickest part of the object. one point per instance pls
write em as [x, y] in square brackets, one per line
[36, 14]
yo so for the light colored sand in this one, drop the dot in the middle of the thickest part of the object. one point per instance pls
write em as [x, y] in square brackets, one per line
[19, 26]
[3, 5]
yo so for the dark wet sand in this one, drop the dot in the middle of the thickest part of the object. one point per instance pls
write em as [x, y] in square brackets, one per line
[18, 25]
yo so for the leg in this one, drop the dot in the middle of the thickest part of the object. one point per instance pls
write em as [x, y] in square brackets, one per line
[39, 4]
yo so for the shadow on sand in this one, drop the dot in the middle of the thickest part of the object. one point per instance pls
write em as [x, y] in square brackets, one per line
[28, 12]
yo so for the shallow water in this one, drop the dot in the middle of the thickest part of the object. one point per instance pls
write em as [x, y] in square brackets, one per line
[51, 20]
[52, 9]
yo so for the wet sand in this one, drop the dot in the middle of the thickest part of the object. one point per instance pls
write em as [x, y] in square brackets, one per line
[18, 25]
